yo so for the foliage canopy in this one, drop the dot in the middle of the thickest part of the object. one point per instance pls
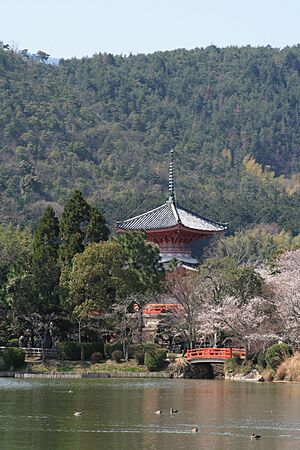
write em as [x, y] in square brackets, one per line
[106, 124]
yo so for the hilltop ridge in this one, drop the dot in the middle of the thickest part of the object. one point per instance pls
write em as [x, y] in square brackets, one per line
[106, 124]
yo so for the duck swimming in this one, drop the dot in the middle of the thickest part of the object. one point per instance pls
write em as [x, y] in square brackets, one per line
[255, 436]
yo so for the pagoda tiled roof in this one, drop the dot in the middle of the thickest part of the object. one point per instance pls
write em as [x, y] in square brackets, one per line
[170, 215]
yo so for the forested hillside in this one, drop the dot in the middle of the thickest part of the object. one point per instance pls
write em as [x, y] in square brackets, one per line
[106, 124]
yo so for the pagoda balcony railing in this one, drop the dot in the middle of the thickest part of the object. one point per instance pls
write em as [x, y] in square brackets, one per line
[161, 308]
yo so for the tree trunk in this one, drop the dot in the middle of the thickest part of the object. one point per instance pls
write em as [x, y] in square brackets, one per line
[81, 352]
[80, 342]
[215, 339]
[125, 351]
[124, 345]
[44, 354]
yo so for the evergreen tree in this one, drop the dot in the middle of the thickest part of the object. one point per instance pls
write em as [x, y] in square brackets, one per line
[80, 225]
[45, 260]
[33, 293]
[141, 262]
[46, 238]
[15, 260]
[46, 273]
[109, 271]
[74, 220]
[96, 229]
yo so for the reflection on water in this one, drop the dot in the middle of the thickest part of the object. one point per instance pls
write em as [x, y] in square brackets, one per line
[119, 414]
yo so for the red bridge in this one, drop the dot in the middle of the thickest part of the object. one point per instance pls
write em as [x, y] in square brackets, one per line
[213, 355]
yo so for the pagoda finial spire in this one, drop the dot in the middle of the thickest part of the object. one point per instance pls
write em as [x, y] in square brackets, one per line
[172, 197]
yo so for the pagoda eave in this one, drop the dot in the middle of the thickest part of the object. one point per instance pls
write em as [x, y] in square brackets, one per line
[182, 229]
[178, 229]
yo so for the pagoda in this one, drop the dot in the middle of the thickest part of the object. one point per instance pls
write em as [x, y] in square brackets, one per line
[172, 227]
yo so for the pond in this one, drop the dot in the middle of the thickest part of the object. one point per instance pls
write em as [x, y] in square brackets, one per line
[118, 414]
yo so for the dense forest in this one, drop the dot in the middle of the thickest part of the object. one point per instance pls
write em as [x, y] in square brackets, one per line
[105, 125]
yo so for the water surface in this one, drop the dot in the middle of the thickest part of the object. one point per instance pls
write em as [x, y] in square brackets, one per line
[118, 414]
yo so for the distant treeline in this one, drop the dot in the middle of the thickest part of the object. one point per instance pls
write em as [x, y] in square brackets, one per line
[106, 124]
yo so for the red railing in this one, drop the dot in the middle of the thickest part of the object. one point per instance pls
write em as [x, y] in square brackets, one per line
[214, 353]
[161, 308]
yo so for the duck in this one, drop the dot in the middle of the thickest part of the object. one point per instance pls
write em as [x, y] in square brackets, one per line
[159, 411]
[77, 413]
[173, 411]
[255, 436]
[195, 430]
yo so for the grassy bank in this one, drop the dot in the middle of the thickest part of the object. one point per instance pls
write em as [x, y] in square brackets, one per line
[286, 370]
[78, 367]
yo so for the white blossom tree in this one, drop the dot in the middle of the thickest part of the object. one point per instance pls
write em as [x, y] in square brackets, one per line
[246, 325]
[284, 287]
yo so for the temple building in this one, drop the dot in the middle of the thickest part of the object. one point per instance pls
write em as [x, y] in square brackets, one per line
[173, 228]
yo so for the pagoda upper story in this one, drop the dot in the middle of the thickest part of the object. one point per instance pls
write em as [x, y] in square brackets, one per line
[173, 227]
[170, 215]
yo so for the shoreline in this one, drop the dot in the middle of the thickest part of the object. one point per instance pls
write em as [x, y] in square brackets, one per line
[119, 374]
[65, 375]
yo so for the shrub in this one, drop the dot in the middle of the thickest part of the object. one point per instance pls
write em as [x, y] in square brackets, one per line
[135, 348]
[172, 357]
[110, 348]
[117, 356]
[13, 357]
[282, 370]
[155, 359]
[69, 351]
[293, 372]
[180, 366]
[96, 357]
[140, 358]
[233, 365]
[140, 349]
[268, 375]
[289, 369]
[14, 342]
[277, 353]
[92, 347]
[246, 367]
[261, 361]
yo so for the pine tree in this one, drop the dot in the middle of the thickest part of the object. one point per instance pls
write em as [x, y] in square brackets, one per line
[81, 224]
[96, 230]
[44, 305]
[74, 220]
[142, 261]
[46, 238]
[45, 261]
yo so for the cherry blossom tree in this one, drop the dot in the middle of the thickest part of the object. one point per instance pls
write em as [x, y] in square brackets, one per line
[284, 287]
[253, 321]
[246, 325]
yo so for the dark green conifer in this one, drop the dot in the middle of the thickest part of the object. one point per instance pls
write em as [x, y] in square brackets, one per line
[141, 259]
[46, 238]
[45, 260]
[75, 217]
[81, 224]
[96, 229]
